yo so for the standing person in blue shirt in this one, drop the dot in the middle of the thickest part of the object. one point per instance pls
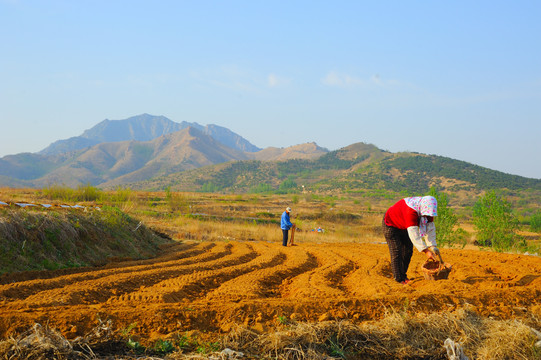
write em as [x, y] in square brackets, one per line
[286, 224]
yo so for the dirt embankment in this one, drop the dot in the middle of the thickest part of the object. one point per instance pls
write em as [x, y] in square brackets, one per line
[60, 239]
[211, 286]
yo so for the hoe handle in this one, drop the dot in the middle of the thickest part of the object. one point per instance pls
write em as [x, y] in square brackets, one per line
[441, 260]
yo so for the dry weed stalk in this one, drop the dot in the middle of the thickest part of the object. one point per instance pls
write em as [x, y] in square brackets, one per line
[397, 336]
[507, 340]
[39, 343]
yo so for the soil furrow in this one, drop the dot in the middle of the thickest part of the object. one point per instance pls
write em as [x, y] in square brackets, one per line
[325, 279]
[267, 282]
[198, 281]
[25, 289]
[371, 275]
[100, 290]
[207, 282]
[214, 286]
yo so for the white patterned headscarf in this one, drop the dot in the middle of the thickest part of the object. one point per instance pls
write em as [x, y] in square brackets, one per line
[425, 206]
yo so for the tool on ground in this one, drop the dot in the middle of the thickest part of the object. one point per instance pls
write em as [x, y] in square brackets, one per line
[292, 235]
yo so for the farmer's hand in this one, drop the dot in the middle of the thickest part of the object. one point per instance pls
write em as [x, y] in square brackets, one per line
[435, 250]
[429, 254]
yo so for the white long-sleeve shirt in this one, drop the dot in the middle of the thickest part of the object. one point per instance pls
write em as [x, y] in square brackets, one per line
[418, 241]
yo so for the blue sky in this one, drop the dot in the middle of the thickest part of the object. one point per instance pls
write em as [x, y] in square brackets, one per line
[460, 79]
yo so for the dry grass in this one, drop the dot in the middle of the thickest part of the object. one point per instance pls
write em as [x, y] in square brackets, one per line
[38, 239]
[255, 218]
[397, 336]
[40, 343]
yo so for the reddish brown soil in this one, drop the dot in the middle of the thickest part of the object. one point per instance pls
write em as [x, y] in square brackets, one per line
[210, 286]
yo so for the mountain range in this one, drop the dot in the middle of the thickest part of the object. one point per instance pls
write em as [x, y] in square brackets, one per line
[138, 148]
[149, 152]
[143, 127]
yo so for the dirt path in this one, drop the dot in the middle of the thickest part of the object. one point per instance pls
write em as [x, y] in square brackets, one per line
[212, 286]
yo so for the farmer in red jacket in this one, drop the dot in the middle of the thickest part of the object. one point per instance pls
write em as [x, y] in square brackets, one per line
[404, 226]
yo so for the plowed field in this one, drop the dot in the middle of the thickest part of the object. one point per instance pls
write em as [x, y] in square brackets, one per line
[210, 286]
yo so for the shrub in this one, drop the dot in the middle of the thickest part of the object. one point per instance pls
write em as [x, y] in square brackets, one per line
[88, 193]
[287, 186]
[495, 223]
[177, 202]
[261, 188]
[445, 221]
[164, 346]
[535, 222]
[122, 195]
[57, 192]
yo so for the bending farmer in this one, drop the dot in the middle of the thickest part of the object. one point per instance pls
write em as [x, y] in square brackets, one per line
[404, 225]
[286, 224]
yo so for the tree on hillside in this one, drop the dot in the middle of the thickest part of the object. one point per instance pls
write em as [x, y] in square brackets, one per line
[535, 222]
[287, 186]
[495, 223]
[446, 221]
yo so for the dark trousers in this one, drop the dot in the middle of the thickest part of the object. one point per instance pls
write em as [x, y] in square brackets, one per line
[401, 250]
[285, 236]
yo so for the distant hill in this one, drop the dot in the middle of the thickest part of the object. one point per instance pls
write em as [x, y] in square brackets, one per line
[113, 163]
[265, 174]
[301, 151]
[148, 152]
[110, 164]
[68, 145]
[28, 166]
[143, 127]
[359, 168]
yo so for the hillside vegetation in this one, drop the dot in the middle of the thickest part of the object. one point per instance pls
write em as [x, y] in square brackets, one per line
[38, 239]
[359, 168]
[149, 152]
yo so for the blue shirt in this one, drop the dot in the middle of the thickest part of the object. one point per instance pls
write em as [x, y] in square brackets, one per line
[285, 223]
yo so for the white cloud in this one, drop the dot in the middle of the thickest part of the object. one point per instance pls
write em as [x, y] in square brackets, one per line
[240, 79]
[375, 79]
[334, 78]
[273, 80]
[229, 77]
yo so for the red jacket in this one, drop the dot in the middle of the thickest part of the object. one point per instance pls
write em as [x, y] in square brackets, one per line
[401, 216]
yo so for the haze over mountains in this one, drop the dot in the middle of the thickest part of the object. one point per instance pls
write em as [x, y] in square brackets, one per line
[143, 127]
[138, 148]
[152, 152]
